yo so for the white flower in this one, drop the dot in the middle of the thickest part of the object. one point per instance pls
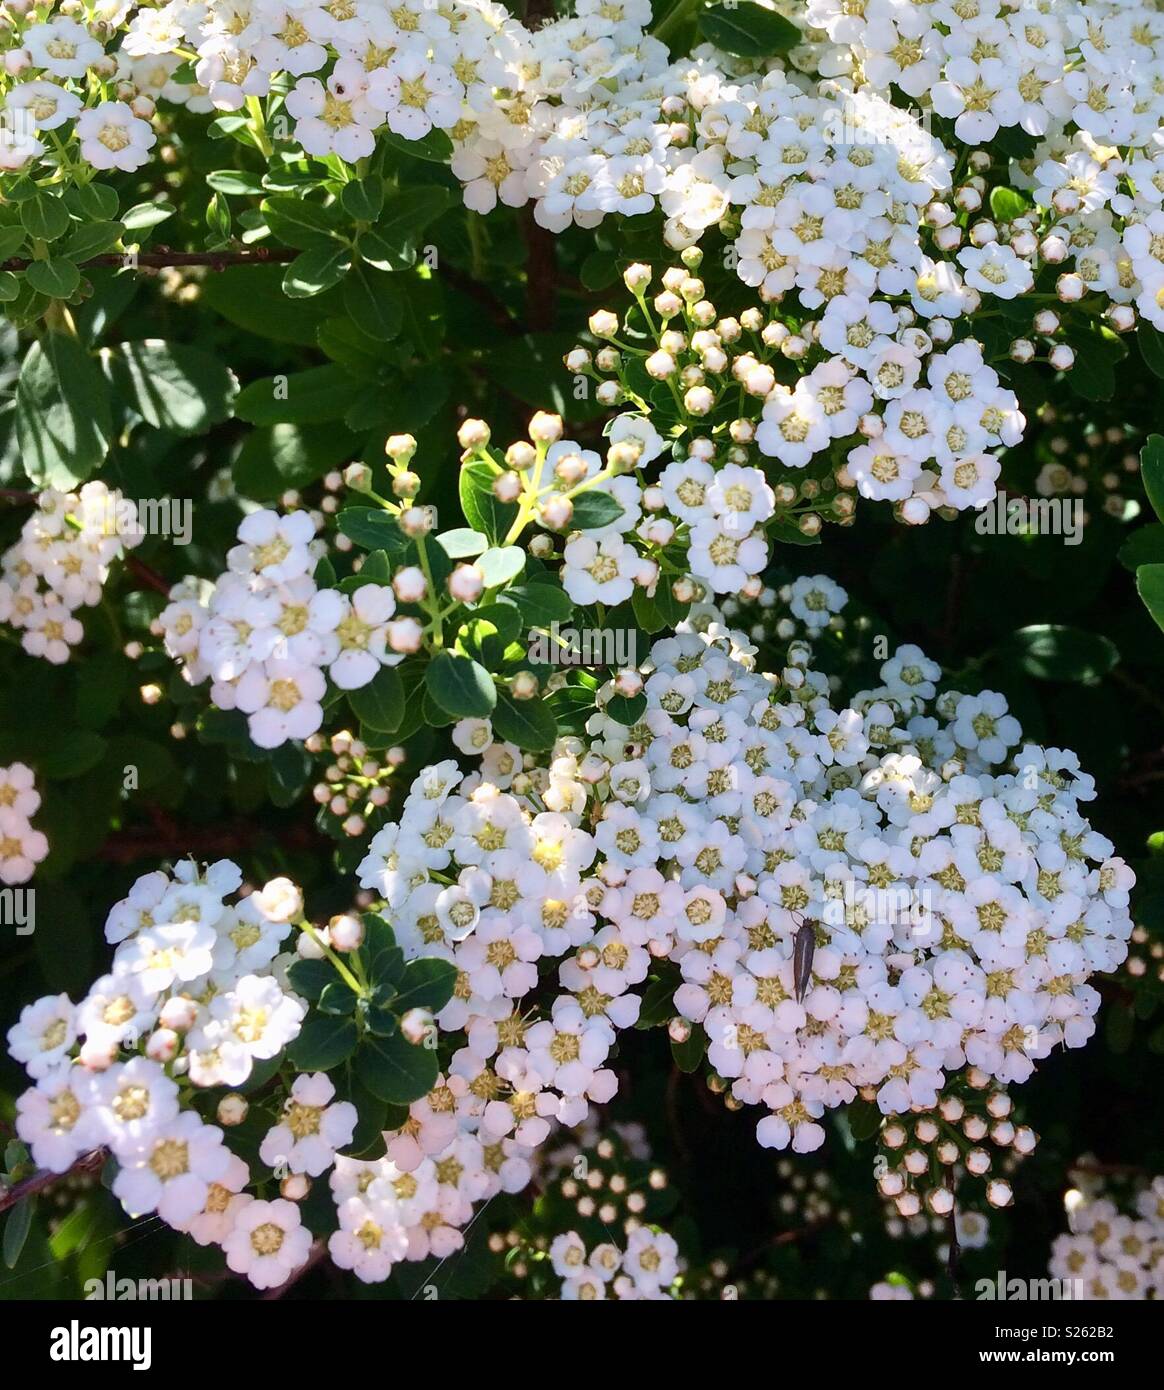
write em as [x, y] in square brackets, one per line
[599, 571]
[268, 1243]
[995, 269]
[362, 632]
[170, 1172]
[112, 137]
[44, 1034]
[51, 1118]
[282, 701]
[416, 95]
[312, 1128]
[63, 47]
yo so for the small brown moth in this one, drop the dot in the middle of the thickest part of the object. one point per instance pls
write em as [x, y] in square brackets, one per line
[803, 950]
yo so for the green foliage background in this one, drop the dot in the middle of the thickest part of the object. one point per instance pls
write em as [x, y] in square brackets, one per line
[400, 312]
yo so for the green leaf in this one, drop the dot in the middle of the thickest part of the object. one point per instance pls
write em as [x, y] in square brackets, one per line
[288, 773]
[1145, 546]
[1150, 587]
[788, 533]
[9, 286]
[395, 1070]
[1054, 652]
[1151, 342]
[646, 612]
[482, 510]
[864, 1119]
[373, 528]
[428, 984]
[539, 603]
[44, 217]
[57, 278]
[462, 543]
[311, 977]
[626, 711]
[528, 723]
[373, 301]
[501, 565]
[362, 199]
[290, 456]
[302, 398]
[12, 238]
[385, 959]
[16, 1230]
[92, 239]
[594, 509]
[235, 183]
[435, 146]
[95, 202]
[1096, 354]
[314, 271]
[252, 297]
[146, 215]
[748, 29]
[460, 686]
[72, 753]
[324, 1042]
[301, 224]
[63, 423]
[688, 1055]
[172, 386]
[380, 704]
[1006, 204]
[1152, 472]
[338, 1000]
[658, 1005]
[409, 212]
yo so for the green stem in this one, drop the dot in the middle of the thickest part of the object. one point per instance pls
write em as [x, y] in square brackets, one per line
[259, 127]
[349, 979]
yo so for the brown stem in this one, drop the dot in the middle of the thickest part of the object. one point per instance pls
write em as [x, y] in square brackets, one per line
[540, 275]
[165, 838]
[150, 578]
[40, 1180]
[163, 256]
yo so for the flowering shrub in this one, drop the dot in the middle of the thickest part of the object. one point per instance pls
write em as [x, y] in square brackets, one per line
[445, 643]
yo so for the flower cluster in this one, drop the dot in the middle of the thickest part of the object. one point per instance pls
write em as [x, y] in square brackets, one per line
[196, 998]
[60, 565]
[491, 870]
[599, 1230]
[190, 1001]
[1077, 78]
[645, 1269]
[824, 186]
[885, 408]
[1111, 1253]
[857, 899]
[21, 847]
[951, 1142]
[266, 633]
